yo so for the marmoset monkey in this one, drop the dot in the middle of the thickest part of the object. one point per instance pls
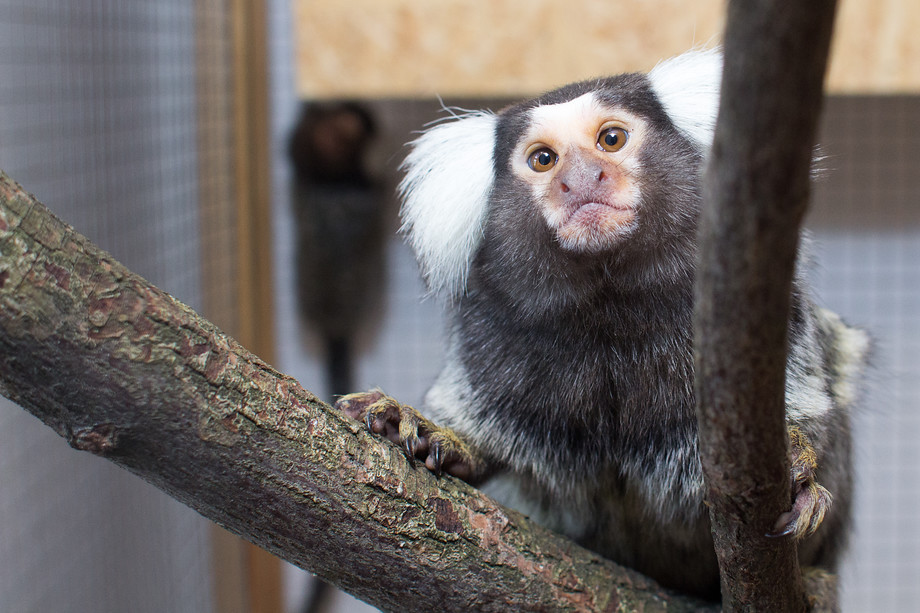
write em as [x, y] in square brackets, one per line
[561, 233]
[342, 214]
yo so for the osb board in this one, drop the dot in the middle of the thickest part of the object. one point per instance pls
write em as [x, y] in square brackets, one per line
[416, 48]
[876, 49]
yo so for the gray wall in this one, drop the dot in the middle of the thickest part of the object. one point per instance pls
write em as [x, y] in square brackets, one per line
[866, 221]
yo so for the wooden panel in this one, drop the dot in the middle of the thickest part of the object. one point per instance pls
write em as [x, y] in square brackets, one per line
[235, 200]
[216, 180]
[876, 48]
[253, 197]
[253, 174]
[470, 47]
[419, 48]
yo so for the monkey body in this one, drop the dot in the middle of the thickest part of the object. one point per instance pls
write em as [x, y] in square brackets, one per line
[564, 243]
[576, 443]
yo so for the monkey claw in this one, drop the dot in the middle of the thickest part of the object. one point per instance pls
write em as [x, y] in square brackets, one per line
[440, 449]
[810, 500]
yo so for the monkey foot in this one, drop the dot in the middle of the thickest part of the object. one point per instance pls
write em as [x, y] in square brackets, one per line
[441, 449]
[810, 500]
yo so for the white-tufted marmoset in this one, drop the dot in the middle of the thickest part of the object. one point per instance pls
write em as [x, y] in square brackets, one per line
[561, 234]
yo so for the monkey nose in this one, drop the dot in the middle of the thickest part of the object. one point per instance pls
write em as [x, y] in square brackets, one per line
[580, 179]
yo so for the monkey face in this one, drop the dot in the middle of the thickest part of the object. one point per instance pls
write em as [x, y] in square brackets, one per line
[593, 179]
[581, 161]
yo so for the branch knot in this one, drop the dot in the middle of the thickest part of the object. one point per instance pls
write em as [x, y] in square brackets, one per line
[100, 439]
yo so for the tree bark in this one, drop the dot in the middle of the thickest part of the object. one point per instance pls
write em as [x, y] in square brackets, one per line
[122, 370]
[756, 190]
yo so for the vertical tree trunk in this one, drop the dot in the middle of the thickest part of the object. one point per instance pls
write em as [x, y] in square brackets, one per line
[756, 189]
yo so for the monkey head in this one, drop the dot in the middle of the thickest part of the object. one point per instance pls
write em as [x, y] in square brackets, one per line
[329, 142]
[596, 175]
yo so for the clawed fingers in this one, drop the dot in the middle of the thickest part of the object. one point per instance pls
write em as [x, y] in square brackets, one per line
[810, 500]
[439, 449]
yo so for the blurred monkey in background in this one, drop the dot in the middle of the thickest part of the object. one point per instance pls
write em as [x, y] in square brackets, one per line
[341, 215]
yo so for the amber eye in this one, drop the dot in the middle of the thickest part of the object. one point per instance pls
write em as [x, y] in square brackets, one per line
[612, 139]
[542, 159]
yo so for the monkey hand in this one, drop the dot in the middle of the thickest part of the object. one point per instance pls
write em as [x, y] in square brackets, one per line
[441, 449]
[810, 501]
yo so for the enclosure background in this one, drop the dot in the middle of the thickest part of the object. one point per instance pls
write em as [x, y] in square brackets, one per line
[98, 118]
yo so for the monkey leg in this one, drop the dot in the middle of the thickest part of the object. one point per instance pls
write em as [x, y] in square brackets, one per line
[810, 501]
[441, 449]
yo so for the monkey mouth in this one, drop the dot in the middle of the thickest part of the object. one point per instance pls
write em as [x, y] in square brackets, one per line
[595, 225]
[598, 211]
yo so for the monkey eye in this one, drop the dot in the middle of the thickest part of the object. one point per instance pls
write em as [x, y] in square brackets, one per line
[612, 139]
[542, 159]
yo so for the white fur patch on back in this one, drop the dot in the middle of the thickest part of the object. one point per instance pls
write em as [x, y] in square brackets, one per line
[853, 346]
[445, 195]
[688, 87]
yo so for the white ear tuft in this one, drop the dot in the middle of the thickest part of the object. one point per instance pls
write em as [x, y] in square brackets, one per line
[445, 196]
[688, 88]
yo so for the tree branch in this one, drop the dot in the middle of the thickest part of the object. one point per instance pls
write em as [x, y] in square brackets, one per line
[121, 369]
[756, 191]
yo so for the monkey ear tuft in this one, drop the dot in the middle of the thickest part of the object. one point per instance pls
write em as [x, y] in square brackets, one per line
[688, 87]
[445, 196]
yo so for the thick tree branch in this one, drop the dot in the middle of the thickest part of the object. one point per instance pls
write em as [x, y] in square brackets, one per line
[756, 192]
[121, 369]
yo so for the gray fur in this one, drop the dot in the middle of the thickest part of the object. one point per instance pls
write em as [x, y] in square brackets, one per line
[572, 373]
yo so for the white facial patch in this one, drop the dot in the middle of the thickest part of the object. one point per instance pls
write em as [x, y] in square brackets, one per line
[566, 126]
[555, 124]
[589, 196]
